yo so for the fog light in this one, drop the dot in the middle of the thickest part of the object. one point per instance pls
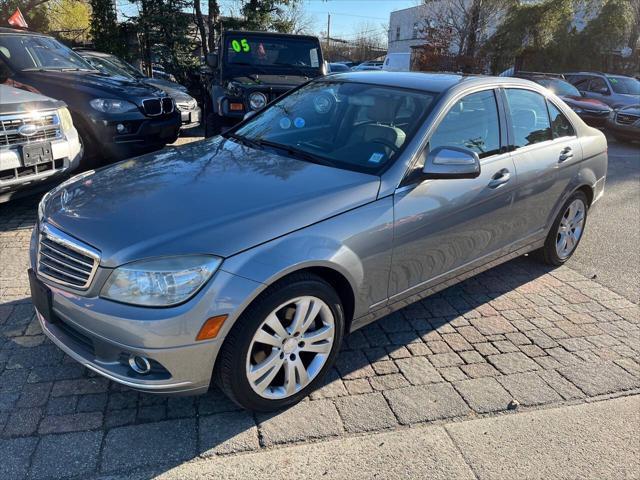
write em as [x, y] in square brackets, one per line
[139, 364]
[121, 128]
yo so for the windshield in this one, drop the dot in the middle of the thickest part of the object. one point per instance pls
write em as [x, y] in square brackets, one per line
[348, 125]
[33, 52]
[625, 85]
[107, 67]
[559, 87]
[272, 51]
[125, 67]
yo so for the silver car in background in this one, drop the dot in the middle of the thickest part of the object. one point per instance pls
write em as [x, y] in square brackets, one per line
[38, 142]
[250, 255]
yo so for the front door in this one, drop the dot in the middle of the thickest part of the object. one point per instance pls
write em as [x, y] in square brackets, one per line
[442, 227]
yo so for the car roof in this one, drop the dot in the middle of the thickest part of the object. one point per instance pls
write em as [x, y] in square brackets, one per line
[268, 34]
[428, 82]
[21, 32]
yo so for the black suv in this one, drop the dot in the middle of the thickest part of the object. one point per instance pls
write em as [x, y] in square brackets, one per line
[251, 69]
[116, 118]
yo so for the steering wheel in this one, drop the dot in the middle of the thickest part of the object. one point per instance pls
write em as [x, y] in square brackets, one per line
[386, 143]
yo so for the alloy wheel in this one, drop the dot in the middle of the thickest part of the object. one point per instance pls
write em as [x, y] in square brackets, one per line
[570, 229]
[290, 347]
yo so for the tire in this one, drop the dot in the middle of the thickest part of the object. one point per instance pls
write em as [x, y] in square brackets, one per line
[212, 125]
[90, 159]
[242, 353]
[555, 255]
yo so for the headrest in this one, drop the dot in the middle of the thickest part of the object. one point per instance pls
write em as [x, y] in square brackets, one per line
[524, 118]
[383, 110]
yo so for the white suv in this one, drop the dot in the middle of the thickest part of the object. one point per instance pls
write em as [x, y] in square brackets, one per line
[38, 142]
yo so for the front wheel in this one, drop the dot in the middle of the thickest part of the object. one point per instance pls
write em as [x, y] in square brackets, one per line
[282, 345]
[567, 231]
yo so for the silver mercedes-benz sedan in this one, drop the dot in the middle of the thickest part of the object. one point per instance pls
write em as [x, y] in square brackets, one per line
[247, 257]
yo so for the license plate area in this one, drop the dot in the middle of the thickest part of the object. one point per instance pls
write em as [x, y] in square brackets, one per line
[41, 297]
[36, 153]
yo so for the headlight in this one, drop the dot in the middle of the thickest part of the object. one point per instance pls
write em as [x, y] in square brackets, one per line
[160, 282]
[257, 100]
[65, 119]
[111, 105]
[576, 109]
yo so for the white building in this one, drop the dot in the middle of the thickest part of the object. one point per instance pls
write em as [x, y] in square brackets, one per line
[407, 27]
[404, 29]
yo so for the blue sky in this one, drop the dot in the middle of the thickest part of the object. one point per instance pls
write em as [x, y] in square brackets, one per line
[347, 16]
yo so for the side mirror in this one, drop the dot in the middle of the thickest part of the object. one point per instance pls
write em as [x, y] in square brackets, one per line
[5, 73]
[451, 162]
[248, 115]
[603, 91]
[212, 60]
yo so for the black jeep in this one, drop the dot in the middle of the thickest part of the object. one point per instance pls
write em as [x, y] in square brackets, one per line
[250, 69]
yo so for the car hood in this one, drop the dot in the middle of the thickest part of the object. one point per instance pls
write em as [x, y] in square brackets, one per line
[93, 84]
[632, 110]
[213, 196]
[165, 84]
[270, 80]
[582, 102]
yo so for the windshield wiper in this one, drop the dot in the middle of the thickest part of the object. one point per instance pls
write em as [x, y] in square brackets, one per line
[297, 69]
[297, 152]
[247, 64]
[243, 140]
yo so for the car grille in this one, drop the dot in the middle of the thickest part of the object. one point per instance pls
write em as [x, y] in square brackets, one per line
[626, 119]
[64, 260]
[23, 173]
[157, 106]
[47, 127]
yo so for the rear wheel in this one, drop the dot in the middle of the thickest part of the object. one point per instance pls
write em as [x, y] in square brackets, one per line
[282, 345]
[567, 231]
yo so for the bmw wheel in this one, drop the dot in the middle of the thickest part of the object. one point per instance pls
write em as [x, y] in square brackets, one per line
[281, 347]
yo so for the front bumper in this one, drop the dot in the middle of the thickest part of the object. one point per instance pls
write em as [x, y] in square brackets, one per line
[190, 118]
[629, 132]
[15, 179]
[102, 334]
[144, 134]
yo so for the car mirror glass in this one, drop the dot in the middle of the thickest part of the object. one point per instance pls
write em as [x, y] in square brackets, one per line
[451, 162]
[212, 60]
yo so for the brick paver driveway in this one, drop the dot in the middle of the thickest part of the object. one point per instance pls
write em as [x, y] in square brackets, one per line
[519, 332]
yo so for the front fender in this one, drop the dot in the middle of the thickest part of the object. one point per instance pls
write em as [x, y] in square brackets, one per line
[356, 244]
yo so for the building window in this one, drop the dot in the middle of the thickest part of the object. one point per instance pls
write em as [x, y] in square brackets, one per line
[398, 32]
[415, 30]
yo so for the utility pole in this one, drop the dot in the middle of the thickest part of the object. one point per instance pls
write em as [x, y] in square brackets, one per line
[328, 32]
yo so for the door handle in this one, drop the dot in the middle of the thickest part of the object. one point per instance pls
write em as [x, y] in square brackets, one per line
[500, 178]
[565, 154]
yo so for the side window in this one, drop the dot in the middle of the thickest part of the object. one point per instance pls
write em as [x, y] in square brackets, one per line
[598, 85]
[560, 126]
[581, 83]
[471, 123]
[529, 117]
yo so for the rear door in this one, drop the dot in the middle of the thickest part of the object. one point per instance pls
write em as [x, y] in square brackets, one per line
[445, 226]
[545, 152]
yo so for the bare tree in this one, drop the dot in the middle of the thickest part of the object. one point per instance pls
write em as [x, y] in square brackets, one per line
[468, 20]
